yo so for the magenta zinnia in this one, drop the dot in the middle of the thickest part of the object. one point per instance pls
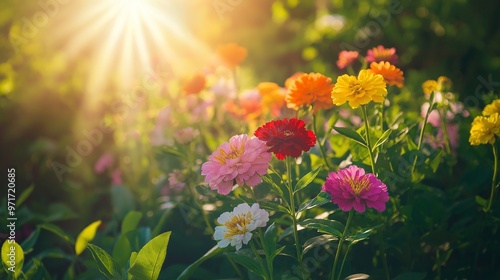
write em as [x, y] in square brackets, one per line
[351, 188]
[242, 159]
[287, 137]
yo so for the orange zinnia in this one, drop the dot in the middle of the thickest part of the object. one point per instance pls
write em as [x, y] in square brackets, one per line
[232, 54]
[310, 89]
[195, 84]
[392, 75]
[290, 79]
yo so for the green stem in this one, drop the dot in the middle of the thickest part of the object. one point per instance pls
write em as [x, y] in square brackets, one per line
[321, 147]
[368, 141]
[382, 116]
[421, 137]
[442, 116]
[494, 179]
[261, 263]
[343, 259]
[269, 260]
[339, 246]
[293, 214]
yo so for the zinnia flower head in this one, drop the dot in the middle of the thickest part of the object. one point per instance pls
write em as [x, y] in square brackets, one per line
[232, 54]
[273, 97]
[382, 54]
[392, 75]
[359, 90]
[484, 129]
[195, 84]
[352, 188]
[429, 86]
[290, 79]
[287, 137]
[346, 58]
[492, 108]
[443, 84]
[310, 89]
[242, 159]
[247, 106]
[237, 226]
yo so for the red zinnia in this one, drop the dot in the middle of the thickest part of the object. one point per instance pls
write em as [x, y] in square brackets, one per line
[287, 137]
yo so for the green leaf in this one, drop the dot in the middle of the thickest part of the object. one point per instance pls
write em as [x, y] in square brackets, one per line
[24, 195]
[320, 199]
[317, 241]
[191, 268]
[274, 181]
[149, 260]
[172, 151]
[351, 134]
[122, 201]
[37, 271]
[246, 261]
[382, 139]
[122, 250]
[58, 231]
[362, 235]
[481, 201]
[326, 226]
[12, 257]
[270, 237]
[86, 236]
[29, 242]
[131, 221]
[133, 257]
[107, 266]
[273, 206]
[307, 179]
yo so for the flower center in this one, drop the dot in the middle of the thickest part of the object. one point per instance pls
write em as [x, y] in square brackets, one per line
[235, 152]
[359, 185]
[238, 225]
[287, 132]
[356, 89]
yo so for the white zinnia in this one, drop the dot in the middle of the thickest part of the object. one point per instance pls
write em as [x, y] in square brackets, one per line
[237, 225]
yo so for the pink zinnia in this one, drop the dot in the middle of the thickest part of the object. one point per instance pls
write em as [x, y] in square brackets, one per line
[346, 58]
[103, 163]
[380, 53]
[351, 188]
[242, 159]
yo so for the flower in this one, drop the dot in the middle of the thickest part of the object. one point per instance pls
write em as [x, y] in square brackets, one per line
[392, 75]
[237, 226]
[429, 86]
[492, 108]
[103, 163]
[195, 84]
[273, 97]
[351, 188]
[382, 54]
[247, 106]
[290, 79]
[483, 129]
[232, 54]
[186, 135]
[287, 137]
[116, 177]
[443, 84]
[359, 90]
[224, 87]
[310, 89]
[346, 58]
[242, 159]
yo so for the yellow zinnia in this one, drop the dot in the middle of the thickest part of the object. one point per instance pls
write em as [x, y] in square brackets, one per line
[492, 108]
[359, 90]
[484, 129]
[429, 86]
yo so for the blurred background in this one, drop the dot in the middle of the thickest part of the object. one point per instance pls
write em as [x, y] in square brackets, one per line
[74, 75]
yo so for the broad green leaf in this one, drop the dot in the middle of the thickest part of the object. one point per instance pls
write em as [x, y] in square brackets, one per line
[273, 206]
[133, 257]
[481, 201]
[24, 195]
[149, 260]
[270, 237]
[320, 199]
[37, 271]
[326, 226]
[382, 139]
[122, 250]
[317, 241]
[107, 266]
[12, 257]
[351, 134]
[274, 181]
[246, 261]
[361, 235]
[307, 179]
[191, 268]
[29, 242]
[122, 201]
[131, 221]
[86, 236]
[58, 231]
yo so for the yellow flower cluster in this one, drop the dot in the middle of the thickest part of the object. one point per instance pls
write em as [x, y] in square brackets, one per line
[485, 128]
[360, 90]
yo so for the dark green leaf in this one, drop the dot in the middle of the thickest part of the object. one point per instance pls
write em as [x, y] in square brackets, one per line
[24, 195]
[37, 271]
[131, 221]
[191, 268]
[246, 261]
[29, 242]
[320, 199]
[107, 266]
[149, 260]
[307, 179]
[122, 250]
[318, 241]
[58, 231]
[326, 226]
[351, 134]
[382, 139]
[270, 237]
[275, 182]
[273, 206]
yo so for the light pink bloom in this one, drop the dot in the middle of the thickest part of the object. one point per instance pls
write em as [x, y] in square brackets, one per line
[346, 58]
[382, 54]
[103, 163]
[237, 226]
[186, 135]
[352, 188]
[242, 159]
[176, 179]
[116, 177]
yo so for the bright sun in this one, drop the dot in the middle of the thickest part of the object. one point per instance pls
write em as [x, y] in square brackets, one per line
[121, 39]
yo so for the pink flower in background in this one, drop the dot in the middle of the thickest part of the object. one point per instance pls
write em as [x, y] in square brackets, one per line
[382, 54]
[176, 179]
[103, 163]
[242, 159]
[346, 58]
[352, 188]
[225, 88]
[186, 135]
[116, 177]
